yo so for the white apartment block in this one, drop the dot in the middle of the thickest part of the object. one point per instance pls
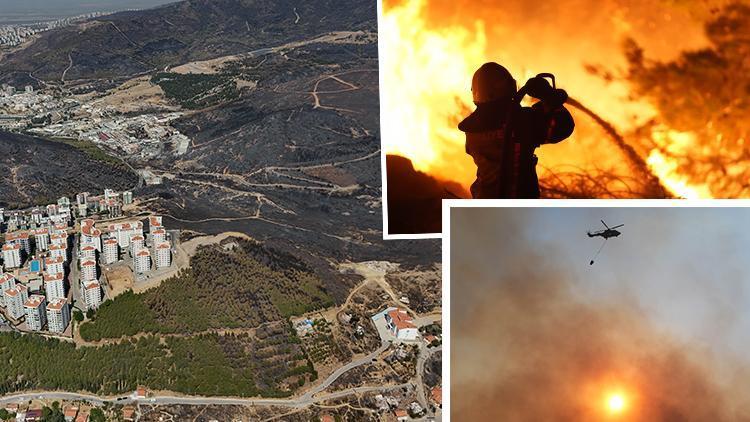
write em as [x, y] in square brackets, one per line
[123, 231]
[54, 285]
[158, 236]
[41, 238]
[137, 242]
[19, 238]
[154, 223]
[127, 197]
[14, 300]
[82, 198]
[36, 216]
[110, 251]
[90, 235]
[12, 255]
[88, 270]
[54, 265]
[58, 238]
[163, 255]
[58, 315]
[58, 251]
[36, 317]
[92, 294]
[88, 251]
[7, 281]
[142, 261]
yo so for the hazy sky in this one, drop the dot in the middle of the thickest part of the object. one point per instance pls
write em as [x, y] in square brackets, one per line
[687, 267]
[663, 314]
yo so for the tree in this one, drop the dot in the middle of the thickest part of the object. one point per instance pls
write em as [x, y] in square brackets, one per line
[78, 316]
[97, 415]
[702, 94]
[90, 314]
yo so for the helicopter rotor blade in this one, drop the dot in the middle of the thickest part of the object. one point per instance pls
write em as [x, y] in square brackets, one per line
[615, 227]
[605, 224]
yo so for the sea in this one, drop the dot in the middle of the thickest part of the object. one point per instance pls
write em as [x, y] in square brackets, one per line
[24, 12]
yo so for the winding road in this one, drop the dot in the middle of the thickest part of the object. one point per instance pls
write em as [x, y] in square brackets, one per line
[307, 399]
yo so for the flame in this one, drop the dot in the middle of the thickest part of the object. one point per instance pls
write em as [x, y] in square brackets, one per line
[675, 143]
[424, 90]
[427, 64]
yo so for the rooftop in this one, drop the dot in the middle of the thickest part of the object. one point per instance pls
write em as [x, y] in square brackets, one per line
[401, 319]
[34, 301]
[53, 260]
[53, 277]
[56, 304]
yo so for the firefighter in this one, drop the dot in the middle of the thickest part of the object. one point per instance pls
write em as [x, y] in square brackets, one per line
[501, 136]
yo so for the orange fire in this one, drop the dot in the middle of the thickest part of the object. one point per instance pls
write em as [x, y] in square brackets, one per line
[428, 55]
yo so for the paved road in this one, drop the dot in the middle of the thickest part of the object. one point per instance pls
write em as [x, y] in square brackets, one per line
[337, 373]
[194, 400]
[307, 399]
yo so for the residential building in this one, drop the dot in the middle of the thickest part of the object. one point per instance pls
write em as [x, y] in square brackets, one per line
[82, 198]
[12, 255]
[158, 236]
[41, 239]
[88, 251]
[109, 194]
[36, 317]
[58, 315]
[14, 300]
[142, 261]
[54, 265]
[92, 294]
[7, 281]
[58, 250]
[20, 238]
[123, 231]
[59, 238]
[127, 197]
[90, 235]
[163, 255]
[36, 216]
[110, 251]
[70, 412]
[54, 285]
[114, 208]
[154, 223]
[88, 270]
[401, 324]
[137, 242]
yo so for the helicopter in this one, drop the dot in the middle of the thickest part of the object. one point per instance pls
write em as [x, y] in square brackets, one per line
[604, 234]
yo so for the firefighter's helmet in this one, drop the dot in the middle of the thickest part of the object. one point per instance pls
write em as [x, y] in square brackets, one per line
[492, 82]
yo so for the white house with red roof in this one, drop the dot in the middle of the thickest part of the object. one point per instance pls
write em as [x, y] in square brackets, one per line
[398, 324]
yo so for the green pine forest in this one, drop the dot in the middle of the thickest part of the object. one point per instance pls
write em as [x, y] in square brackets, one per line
[246, 287]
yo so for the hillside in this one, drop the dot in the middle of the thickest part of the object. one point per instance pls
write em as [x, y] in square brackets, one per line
[222, 289]
[38, 171]
[129, 43]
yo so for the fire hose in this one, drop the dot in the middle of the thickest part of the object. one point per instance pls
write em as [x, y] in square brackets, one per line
[636, 163]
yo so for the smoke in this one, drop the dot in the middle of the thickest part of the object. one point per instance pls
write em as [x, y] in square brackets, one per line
[530, 345]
